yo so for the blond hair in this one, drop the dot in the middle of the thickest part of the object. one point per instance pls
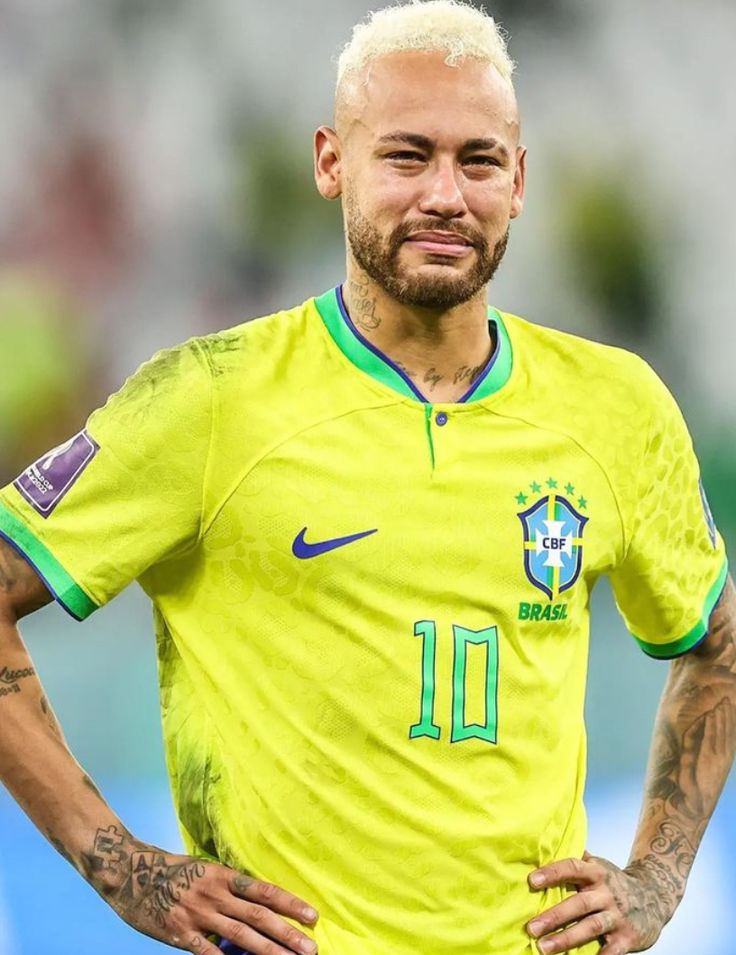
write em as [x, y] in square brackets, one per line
[446, 26]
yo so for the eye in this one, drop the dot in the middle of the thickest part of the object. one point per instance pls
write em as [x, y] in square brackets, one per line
[482, 161]
[406, 155]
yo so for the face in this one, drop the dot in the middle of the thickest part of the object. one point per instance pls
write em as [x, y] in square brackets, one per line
[427, 161]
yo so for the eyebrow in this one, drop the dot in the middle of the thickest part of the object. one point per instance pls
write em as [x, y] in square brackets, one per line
[424, 142]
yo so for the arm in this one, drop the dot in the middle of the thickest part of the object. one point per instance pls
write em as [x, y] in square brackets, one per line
[692, 751]
[173, 898]
[691, 755]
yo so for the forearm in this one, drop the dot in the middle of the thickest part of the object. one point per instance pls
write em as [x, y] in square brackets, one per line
[40, 772]
[692, 752]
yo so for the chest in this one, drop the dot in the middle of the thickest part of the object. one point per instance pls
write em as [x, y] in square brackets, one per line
[405, 499]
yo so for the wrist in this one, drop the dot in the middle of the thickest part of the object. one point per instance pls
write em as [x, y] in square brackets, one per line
[658, 878]
[102, 855]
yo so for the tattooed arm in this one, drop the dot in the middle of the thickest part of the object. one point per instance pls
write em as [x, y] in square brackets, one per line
[173, 898]
[692, 751]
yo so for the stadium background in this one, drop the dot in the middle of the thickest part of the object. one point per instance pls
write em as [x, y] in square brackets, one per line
[155, 182]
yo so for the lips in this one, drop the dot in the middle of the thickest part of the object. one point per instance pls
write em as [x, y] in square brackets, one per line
[441, 243]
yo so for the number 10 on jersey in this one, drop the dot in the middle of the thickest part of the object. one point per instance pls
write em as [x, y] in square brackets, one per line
[462, 639]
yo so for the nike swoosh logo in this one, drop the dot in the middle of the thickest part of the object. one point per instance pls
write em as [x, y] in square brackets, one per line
[301, 549]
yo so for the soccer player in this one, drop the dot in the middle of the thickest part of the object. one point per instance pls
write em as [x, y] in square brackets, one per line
[369, 526]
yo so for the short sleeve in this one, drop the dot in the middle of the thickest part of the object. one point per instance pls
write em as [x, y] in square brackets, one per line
[674, 567]
[126, 492]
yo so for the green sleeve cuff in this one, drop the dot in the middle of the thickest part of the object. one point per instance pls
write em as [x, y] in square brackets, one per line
[675, 648]
[64, 589]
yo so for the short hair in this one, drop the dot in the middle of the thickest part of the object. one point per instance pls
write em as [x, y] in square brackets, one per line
[448, 26]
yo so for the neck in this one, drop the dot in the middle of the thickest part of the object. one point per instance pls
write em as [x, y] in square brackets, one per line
[443, 352]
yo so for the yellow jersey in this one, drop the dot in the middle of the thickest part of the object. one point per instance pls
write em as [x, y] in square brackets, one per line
[372, 611]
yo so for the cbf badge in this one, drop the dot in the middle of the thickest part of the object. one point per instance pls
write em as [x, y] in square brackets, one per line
[553, 538]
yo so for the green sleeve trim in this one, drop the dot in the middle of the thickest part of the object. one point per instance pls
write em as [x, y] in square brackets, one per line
[68, 593]
[675, 648]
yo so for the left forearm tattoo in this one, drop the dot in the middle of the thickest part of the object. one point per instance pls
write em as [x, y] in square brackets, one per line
[692, 752]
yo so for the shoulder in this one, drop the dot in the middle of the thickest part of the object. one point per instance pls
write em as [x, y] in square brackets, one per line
[189, 371]
[607, 400]
[567, 371]
[578, 357]
[257, 337]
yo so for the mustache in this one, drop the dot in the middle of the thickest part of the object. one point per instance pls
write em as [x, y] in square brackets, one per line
[403, 231]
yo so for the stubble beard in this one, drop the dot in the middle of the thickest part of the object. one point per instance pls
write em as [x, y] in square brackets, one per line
[379, 259]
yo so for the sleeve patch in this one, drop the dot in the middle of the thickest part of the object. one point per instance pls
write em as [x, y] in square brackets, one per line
[46, 482]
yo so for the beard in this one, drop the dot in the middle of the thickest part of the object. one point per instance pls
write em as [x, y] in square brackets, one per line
[379, 258]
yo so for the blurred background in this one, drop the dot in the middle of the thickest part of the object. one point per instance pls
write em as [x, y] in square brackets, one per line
[156, 183]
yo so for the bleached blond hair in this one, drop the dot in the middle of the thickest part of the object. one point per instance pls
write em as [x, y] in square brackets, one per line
[448, 26]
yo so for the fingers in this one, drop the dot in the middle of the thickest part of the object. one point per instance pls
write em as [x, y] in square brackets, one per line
[265, 922]
[251, 939]
[571, 910]
[273, 897]
[589, 909]
[587, 930]
[576, 872]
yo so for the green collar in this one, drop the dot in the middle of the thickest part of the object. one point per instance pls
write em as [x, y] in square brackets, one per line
[373, 362]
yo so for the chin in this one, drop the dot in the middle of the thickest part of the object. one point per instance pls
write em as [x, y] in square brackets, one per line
[449, 269]
[428, 290]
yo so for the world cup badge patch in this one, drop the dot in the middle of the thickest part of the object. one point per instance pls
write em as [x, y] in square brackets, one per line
[553, 537]
[46, 482]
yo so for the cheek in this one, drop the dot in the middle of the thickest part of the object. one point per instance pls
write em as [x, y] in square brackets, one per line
[490, 201]
[387, 195]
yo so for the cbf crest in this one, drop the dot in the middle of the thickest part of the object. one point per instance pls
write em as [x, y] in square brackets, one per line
[553, 537]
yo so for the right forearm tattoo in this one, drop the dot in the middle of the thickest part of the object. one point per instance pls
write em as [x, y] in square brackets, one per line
[12, 679]
[136, 876]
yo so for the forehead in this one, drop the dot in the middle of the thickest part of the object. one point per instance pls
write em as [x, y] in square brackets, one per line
[418, 91]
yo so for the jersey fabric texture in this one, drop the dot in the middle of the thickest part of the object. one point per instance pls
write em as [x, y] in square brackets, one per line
[372, 612]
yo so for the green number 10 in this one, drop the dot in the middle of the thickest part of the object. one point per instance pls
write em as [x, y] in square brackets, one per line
[427, 630]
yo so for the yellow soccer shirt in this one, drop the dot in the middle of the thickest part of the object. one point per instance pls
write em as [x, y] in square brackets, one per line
[373, 612]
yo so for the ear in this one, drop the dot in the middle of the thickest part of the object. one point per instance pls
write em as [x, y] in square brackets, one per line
[517, 196]
[327, 163]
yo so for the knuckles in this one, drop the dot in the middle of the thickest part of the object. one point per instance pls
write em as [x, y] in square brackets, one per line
[578, 867]
[257, 915]
[238, 935]
[599, 924]
[267, 891]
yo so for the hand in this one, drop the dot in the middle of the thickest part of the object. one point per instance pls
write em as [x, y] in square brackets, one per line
[620, 907]
[181, 900]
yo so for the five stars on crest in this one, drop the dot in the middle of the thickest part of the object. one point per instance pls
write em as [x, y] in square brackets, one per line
[552, 484]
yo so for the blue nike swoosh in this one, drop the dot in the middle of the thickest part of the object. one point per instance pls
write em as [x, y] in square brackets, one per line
[301, 549]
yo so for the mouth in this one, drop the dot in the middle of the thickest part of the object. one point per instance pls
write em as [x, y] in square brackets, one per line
[441, 243]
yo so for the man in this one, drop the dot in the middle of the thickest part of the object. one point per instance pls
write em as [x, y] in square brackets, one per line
[369, 527]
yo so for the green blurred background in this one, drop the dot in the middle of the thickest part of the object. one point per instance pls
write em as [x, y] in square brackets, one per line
[156, 183]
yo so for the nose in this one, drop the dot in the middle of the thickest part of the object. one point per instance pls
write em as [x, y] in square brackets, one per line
[443, 196]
